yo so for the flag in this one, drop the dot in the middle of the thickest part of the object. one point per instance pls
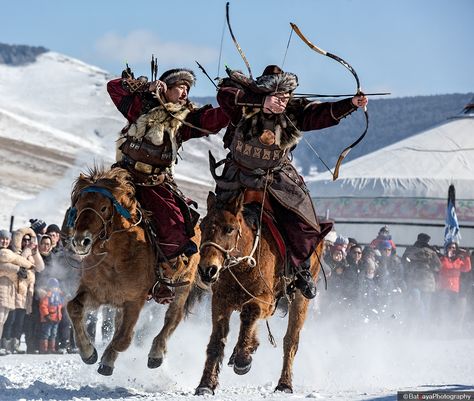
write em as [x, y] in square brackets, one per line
[451, 229]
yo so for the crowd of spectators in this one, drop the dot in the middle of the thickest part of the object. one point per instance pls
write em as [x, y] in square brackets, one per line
[421, 286]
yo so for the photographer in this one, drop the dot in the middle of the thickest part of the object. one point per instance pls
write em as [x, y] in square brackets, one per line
[453, 262]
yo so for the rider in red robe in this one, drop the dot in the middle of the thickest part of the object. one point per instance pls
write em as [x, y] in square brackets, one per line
[160, 118]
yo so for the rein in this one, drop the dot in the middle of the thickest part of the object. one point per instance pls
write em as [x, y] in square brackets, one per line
[231, 261]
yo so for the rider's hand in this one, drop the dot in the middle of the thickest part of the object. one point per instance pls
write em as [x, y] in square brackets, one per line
[360, 101]
[158, 86]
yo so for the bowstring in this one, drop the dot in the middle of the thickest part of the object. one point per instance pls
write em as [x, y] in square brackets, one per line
[220, 49]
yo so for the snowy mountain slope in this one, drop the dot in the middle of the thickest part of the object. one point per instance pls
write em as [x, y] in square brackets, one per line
[56, 119]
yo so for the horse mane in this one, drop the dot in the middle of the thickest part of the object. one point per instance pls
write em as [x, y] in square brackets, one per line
[117, 180]
[250, 211]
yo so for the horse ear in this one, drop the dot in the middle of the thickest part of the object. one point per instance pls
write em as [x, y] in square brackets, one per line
[211, 201]
[236, 204]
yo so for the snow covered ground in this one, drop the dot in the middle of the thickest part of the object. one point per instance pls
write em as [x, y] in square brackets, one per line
[334, 362]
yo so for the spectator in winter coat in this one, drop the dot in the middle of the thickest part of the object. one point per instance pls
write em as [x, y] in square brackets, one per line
[55, 233]
[352, 273]
[453, 262]
[369, 292]
[10, 266]
[383, 235]
[422, 265]
[50, 306]
[24, 244]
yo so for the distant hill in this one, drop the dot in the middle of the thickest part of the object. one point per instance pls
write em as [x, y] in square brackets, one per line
[19, 54]
[390, 120]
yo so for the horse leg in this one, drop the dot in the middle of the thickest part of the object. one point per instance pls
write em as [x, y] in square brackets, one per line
[296, 319]
[253, 348]
[247, 342]
[76, 312]
[215, 349]
[125, 320]
[173, 317]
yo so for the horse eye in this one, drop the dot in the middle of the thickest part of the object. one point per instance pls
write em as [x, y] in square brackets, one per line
[104, 209]
[228, 230]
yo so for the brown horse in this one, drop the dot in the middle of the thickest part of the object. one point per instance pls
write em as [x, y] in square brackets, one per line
[118, 266]
[250, 284]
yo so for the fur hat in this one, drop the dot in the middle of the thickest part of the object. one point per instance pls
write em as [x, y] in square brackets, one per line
[178, 76]
[275, 80]
[5, 234]
[37, 225]
[53, 228]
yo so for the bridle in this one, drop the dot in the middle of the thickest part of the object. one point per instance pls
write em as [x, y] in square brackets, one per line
[73, 218]
[231, 260]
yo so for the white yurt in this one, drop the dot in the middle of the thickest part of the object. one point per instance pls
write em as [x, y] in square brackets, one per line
[405, 186]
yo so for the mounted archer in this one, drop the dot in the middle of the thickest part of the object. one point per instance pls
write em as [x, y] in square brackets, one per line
[266, 125]
[160, 118]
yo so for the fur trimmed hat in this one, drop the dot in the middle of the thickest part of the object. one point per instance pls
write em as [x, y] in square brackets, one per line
[275, 80]
[178, 76]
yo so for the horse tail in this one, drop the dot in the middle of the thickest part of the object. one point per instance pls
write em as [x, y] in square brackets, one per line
[195, 296]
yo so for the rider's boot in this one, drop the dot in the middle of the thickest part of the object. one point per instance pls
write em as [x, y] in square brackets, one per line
[304, 280]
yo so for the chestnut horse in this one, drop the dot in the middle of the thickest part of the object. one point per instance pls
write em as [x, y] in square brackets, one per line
[247, 275]
[118, 266]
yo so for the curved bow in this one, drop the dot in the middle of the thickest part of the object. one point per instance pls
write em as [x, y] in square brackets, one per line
[359, 92]
[241, 52]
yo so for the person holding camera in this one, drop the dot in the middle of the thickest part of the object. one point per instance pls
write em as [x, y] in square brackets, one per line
[454, 262]
[24, 250]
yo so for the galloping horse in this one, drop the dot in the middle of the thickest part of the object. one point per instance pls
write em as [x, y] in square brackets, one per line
[118, 267]
[251, 285]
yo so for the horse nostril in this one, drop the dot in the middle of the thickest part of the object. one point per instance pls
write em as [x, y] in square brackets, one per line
[86, 242]
[208, 274]
[212, 272]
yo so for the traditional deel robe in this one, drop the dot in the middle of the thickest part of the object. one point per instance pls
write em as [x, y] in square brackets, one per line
[260, 151]
[148, 149]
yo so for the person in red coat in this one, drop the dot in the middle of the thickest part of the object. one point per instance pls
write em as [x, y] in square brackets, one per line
[160, 118]
[454, 262]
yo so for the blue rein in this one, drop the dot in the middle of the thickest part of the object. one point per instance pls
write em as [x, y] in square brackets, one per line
[71, 218]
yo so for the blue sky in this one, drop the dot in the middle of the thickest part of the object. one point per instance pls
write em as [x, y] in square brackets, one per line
[407, 47]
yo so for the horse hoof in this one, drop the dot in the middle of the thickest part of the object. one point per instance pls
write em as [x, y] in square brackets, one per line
[204, 391]
[154, 363]
[105, 370]
[231, 360]
[284, 388]
[92, 359]
[242, 369]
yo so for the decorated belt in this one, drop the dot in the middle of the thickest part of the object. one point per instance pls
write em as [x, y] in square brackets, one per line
[143, 168]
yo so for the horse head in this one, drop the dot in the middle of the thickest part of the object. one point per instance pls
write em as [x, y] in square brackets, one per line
[102, 202]
[221, 231]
